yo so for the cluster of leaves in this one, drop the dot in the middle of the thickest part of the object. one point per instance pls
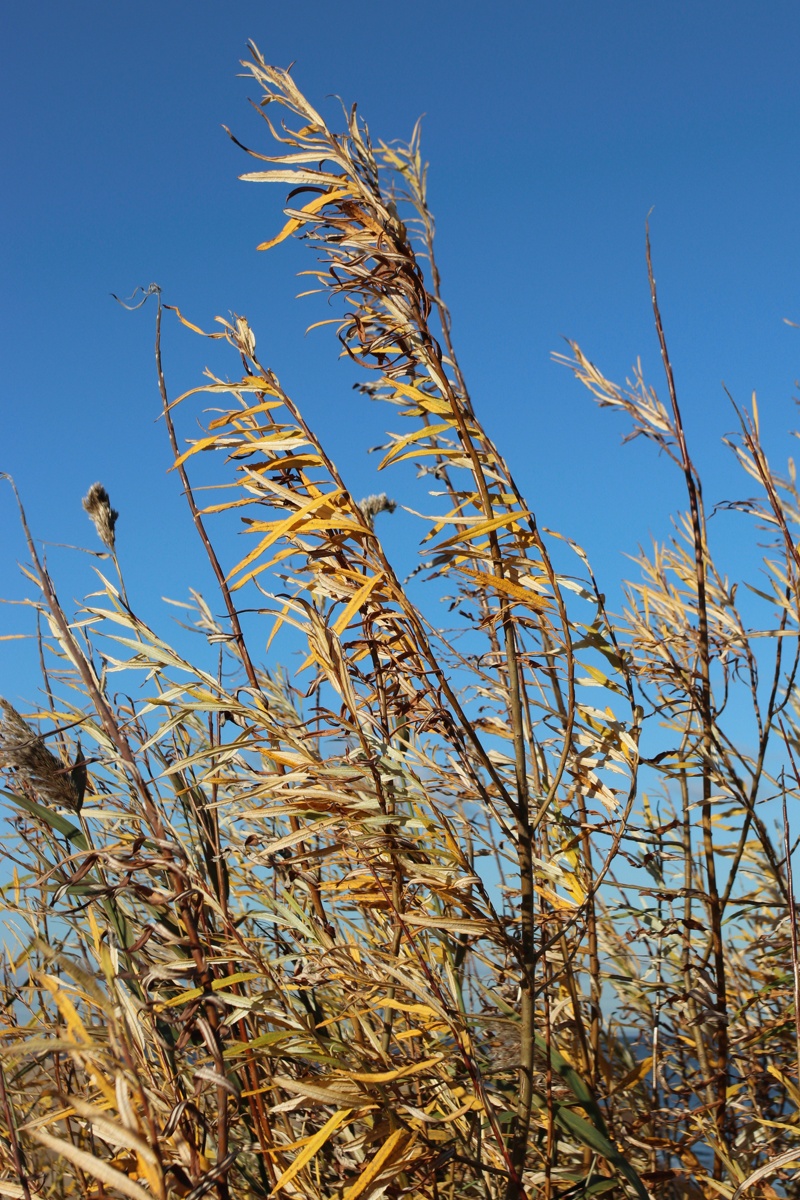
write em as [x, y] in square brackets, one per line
[400, 926]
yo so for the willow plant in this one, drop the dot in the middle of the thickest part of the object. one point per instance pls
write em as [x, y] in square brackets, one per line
[398, 925]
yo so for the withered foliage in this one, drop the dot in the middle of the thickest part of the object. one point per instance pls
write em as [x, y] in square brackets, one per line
[490, 910]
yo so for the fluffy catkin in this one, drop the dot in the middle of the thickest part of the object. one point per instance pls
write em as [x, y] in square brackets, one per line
[24, 751]
[372, 505]
[104, 517]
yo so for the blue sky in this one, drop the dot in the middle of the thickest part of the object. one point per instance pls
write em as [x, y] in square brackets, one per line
[552, 128]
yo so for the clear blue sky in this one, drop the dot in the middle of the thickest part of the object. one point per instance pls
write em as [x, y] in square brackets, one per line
[552, 128]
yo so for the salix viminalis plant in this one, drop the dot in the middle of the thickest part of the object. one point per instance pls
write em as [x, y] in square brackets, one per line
[543, 763]
[717, 678]
[282, 963]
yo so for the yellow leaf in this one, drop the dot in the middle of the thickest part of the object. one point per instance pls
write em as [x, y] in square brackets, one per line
[183, 998]
[217, 985]
[429, 1017]
[417, 435]
[508, 588]
[558, 902]
[284, 525]
[449, 924]
[385, 1157]
[202, 444]
[97, 936]
[195, 328]
[511, 518]
[311, 208]
[237, 415]
[790, 1086]
[455, 453]
[314, 1144]
[354, 604]
[430, 403]
[75, 1026]
[398, 1073]
[348, 1098]
[776, 1124]
[635, 1075]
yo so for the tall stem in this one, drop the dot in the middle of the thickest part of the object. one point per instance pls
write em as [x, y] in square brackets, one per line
[697, 518]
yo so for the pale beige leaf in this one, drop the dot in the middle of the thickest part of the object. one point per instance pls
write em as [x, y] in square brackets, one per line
[766, 1169]
[92, 1166]
[313, 1091]
[111, 1131]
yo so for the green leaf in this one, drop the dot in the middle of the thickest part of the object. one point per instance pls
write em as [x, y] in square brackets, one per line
[56, 822]
[590, 1136]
